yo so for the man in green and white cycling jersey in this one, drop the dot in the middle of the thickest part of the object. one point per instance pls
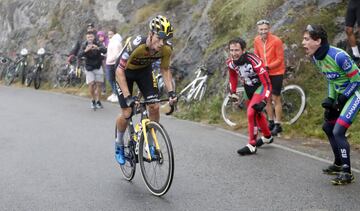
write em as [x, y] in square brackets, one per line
[135, 65]
[343, 98]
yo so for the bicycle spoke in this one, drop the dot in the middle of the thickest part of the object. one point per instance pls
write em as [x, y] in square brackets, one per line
[293, 103]
[129, 168]
[158, 172]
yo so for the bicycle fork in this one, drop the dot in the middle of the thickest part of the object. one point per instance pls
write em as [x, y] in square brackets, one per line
[144, 122]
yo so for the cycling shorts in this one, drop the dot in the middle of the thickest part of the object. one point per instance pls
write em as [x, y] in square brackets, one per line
[352, 13]
[276, 83]
[145, 81]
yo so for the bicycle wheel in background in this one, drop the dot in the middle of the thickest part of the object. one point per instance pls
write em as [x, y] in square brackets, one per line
[293, 103]
[37, 80]
[62, 77]
[10, 75]
[29, 78]
[2, 71]
[22, 73]
[231, 107]
[129, 168]
[157, 172]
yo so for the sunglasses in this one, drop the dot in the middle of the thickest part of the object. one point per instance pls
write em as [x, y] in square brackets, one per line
[309, 28]
[261, 22]
[163, 35]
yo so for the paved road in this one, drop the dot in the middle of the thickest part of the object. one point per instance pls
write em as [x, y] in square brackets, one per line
[57, 154]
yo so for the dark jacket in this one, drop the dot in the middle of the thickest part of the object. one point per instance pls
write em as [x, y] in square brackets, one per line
[75, 48]
[93, 58]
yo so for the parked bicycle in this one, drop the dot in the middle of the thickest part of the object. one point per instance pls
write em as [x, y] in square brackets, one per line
[18, 68]
[73, 74]
[196, 89]
[157, 170]
[34, 73]
[160, 80]
[4, 63]
[293, 104]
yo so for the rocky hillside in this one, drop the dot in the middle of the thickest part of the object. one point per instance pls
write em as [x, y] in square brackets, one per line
[202, 28]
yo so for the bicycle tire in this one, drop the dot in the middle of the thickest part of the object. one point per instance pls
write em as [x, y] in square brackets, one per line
[230, 109]
[293, 103]
[163, 159]
[28, 79]
[129, 168]
[62, 78]
[10, 75]
[22, 74]
[37, 80]
[3, 72]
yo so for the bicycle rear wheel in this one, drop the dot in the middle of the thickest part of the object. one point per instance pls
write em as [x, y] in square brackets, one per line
[293, 103]
[37, 80]
[22, 72]
[28, 79]
[129, 168]
[157, 172]
[62, 79]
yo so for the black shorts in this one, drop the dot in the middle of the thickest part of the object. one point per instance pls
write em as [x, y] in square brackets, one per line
[145, 81]
[353, 13]
[276, 83]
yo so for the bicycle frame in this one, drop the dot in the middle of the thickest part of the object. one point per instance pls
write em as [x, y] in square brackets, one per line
[195, 86]
[21, 62]
[141, 127]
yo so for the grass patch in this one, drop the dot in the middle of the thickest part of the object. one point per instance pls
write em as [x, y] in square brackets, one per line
[150, 10]
[325, 17]
[228, 22]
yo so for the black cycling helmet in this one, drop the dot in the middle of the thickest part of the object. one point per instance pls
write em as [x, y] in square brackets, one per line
[162, 27]
[317, 32]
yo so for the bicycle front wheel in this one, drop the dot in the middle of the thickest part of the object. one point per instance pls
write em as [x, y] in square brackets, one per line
[129, 168]
[157, 171]
[293, 103]
[10, 75]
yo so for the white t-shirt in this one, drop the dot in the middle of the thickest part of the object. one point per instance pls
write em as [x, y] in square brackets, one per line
[113, 49]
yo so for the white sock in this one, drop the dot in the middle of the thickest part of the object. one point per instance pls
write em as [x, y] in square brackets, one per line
[355, 51]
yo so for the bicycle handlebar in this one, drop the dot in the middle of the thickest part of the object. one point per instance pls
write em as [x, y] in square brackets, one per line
[146, 102]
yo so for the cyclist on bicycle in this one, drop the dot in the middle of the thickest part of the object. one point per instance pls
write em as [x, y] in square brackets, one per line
[257, 88]
[343, 101]
[135, 66]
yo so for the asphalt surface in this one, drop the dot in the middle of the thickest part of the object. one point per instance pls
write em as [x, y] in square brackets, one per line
[57, 154]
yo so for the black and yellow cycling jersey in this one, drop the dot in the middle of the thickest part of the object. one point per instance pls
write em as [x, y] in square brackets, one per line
[137, 55]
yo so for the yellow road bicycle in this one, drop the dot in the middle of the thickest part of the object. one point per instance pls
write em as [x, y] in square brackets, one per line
[157, 168]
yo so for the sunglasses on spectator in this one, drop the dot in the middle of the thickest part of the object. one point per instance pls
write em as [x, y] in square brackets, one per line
[309, 28]
[261, 22]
